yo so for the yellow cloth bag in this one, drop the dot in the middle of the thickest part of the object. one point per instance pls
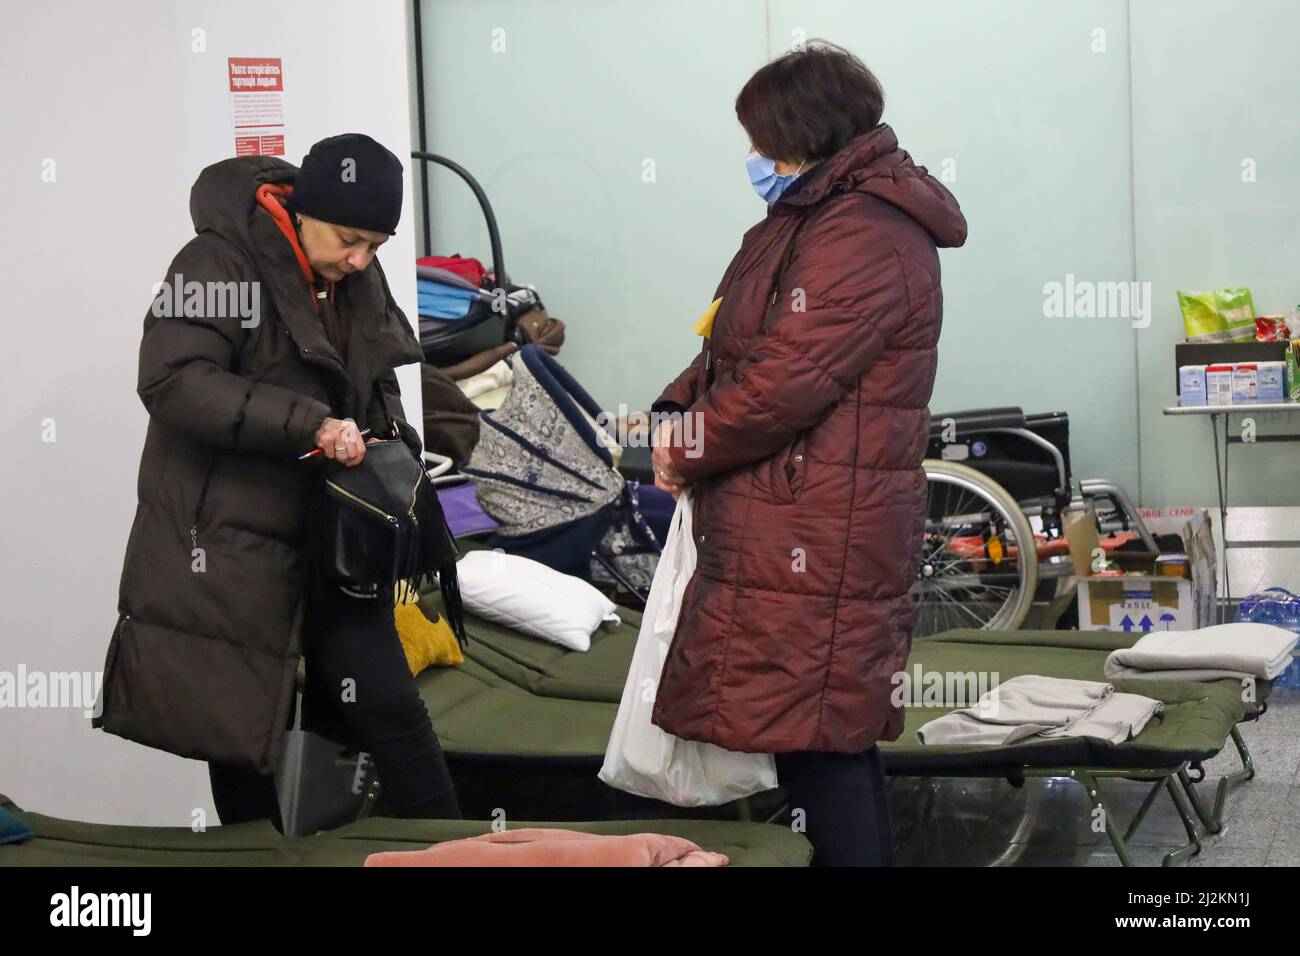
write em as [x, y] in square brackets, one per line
[425, 643]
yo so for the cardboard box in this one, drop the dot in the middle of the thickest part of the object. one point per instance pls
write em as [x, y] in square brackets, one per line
[1141, 600]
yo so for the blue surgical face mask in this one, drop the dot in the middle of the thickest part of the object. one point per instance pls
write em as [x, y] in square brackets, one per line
[767, 182]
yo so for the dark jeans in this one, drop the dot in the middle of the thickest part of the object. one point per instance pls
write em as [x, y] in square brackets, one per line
[360, 692]
[843, 799]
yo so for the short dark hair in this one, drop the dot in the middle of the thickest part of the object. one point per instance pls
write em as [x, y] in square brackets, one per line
[807, 104]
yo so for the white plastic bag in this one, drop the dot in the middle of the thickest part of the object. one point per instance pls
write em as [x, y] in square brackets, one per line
[643, 759]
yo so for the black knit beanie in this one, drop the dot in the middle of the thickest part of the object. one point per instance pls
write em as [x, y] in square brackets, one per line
[350, 180]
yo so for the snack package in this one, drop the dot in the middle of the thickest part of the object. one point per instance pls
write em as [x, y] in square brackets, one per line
[1201, 319]
[1223, 315]
[1293, 371]
[1238, 311]
[1271, 328]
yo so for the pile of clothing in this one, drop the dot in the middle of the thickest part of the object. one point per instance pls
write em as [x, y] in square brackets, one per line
[1032, 707]
[453, 289]
[442, 279]
[445, 292]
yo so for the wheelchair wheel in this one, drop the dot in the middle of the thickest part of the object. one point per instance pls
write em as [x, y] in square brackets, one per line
[979, 564]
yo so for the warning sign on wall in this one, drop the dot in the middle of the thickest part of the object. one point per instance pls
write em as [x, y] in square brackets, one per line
[257, 105]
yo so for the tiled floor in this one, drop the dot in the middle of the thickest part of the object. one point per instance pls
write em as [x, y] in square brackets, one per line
[980, 822]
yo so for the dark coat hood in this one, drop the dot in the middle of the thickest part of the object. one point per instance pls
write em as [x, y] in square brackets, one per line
[224, 197]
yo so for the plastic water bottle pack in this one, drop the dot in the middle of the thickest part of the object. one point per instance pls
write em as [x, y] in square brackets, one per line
[1279, 607]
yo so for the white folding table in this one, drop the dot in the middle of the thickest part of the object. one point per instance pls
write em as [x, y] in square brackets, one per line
[1215, 412]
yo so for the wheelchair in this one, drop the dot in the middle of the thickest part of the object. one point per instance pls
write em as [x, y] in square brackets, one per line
[998, 488]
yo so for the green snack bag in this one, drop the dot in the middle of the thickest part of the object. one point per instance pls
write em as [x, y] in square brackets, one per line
[1201, 318]
[1238, 311]
[1223, 315]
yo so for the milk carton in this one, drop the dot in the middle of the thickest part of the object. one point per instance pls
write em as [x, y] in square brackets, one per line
[1191, 385]
[1245, 383]
[1218, 384]
[1271, 377]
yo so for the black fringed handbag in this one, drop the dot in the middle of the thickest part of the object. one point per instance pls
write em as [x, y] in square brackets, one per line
[380, 523]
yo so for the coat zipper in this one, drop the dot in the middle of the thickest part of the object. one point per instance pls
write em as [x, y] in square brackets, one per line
[203, 494]
[792, 468]
[110, 665]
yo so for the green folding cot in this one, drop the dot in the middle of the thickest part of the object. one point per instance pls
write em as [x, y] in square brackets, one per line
[1082, 655]
[1196, 722]
[522, 709]
[72, 843]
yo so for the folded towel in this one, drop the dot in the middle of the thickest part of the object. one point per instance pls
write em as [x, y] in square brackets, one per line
[544, 846]
[1016, 709]
[1240, 650]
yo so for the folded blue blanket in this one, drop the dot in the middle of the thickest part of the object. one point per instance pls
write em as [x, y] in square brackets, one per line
[440, 301]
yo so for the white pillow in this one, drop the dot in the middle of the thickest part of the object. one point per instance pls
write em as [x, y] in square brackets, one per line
[530, 597]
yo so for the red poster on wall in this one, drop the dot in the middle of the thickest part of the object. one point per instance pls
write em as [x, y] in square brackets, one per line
[257, 104]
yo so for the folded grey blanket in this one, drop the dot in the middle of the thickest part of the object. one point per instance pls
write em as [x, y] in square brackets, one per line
[1239, 650]
[1033, 706]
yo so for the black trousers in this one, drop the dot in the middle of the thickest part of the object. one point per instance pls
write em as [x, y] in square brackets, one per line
[841, 801]
[360, 692]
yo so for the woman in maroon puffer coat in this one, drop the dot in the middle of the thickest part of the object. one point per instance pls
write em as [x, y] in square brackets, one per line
[808, 419]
